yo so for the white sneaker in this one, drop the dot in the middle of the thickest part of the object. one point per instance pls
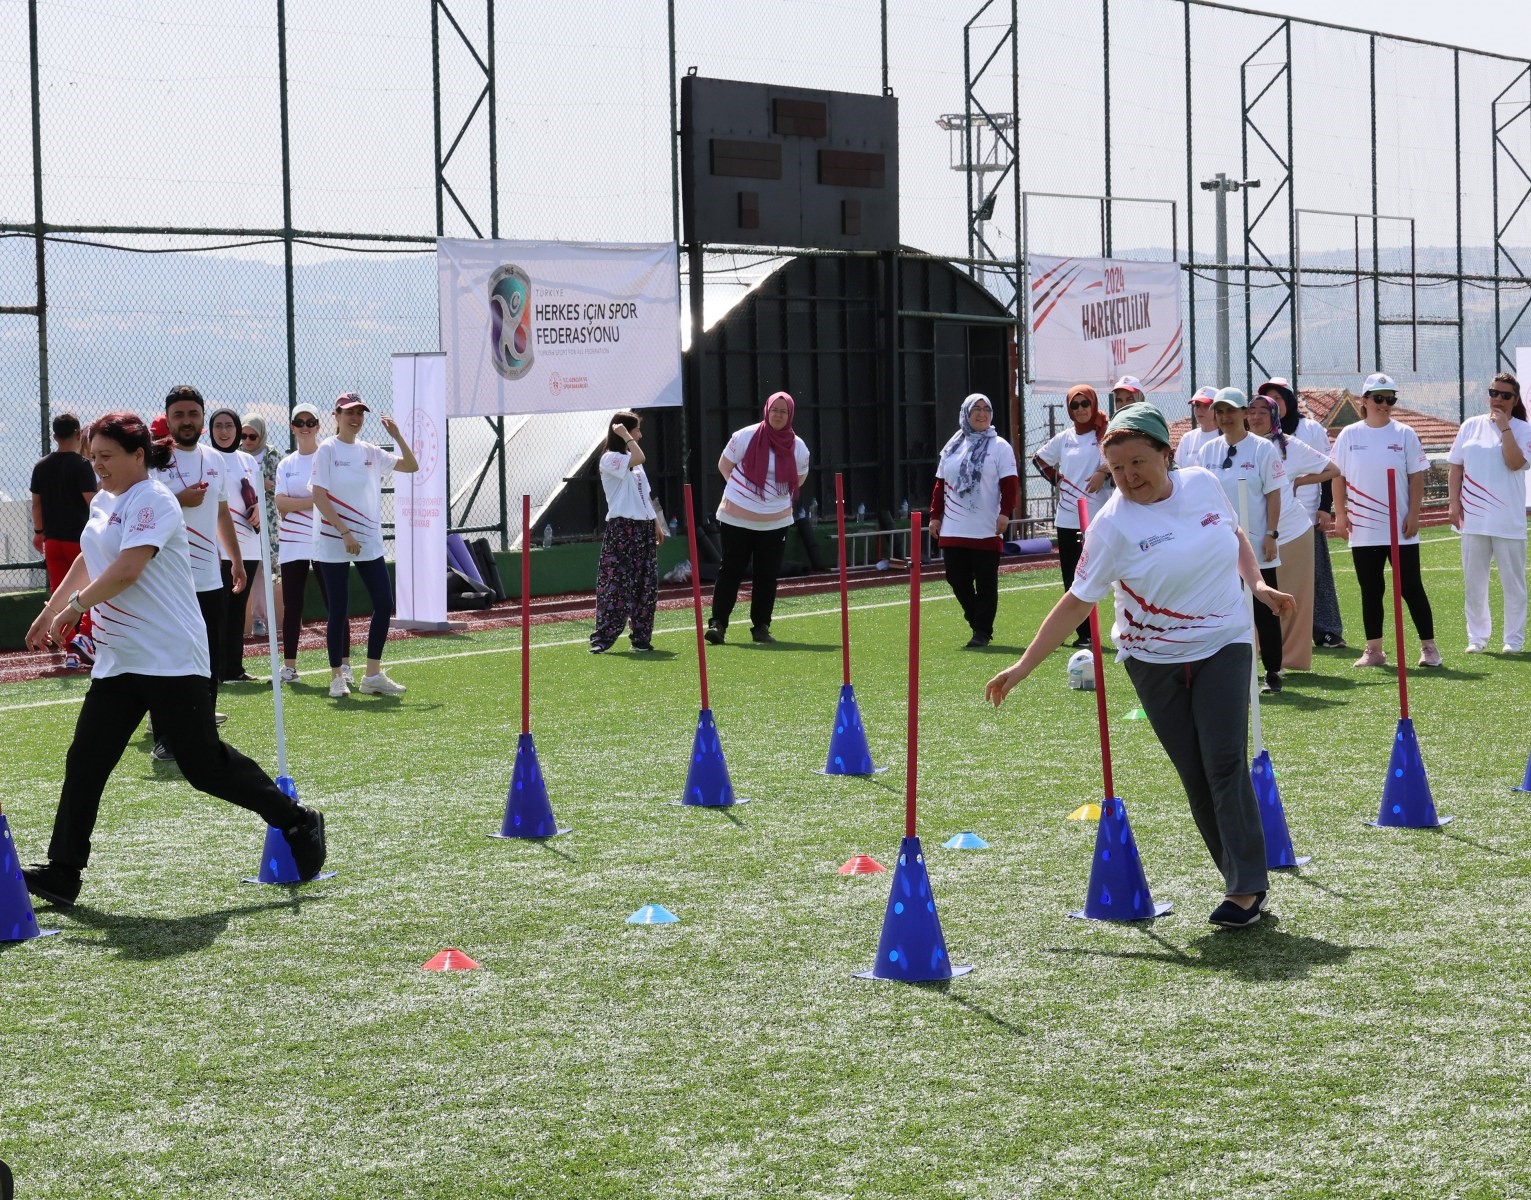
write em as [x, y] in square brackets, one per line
[1476, 647]
[346, 674]
[380, 685]
[258, 628]
[289, 675]
[1509, 649]
[338, 687]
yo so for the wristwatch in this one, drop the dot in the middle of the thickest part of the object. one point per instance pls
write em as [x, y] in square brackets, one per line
[74, 603]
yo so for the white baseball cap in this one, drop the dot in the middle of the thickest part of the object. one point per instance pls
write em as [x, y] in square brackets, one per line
[304, 410]
[1128, 383]
[1378, 383]
[1204, 395]
[1232, 397]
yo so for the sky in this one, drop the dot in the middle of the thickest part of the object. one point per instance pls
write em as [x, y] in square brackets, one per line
[1501, 26]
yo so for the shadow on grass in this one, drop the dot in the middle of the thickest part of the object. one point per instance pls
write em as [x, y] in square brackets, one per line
[654, 655]
[1476, 845]
[1307, 881]
[1264, 952]
[151, 939]
[779, 645]
[943, 986]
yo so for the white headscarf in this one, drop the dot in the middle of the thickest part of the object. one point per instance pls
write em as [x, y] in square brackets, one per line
[963, 457]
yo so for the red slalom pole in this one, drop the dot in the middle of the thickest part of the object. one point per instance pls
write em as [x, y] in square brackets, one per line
[845, 591]
[1392, 527]
[526, 614]
[1100, 674]
[911, 773]
[696, 596]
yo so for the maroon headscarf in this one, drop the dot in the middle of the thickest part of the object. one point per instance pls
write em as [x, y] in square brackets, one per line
[768, 442]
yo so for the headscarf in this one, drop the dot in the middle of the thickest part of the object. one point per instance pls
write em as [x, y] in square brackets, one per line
[259, 425]
[1278, 431]
[238, 429]
[1097, 419]
[768, 443]
[1142, 418]
[1290, 419]
[963, 457]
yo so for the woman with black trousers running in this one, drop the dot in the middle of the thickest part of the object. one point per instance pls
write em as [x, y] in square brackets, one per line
[134, 572]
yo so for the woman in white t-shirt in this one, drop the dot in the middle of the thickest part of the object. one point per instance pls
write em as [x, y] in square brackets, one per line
[242, 478]
[134, 572]
[1364, 452]
[1188, 449]
[295, 533]
[975, 492]
[1488, 506]
[1170, 547]
[1305, 469]
[627, 579]
[1234, 455]
[764, 466]
[347, 485]
[1071, 461]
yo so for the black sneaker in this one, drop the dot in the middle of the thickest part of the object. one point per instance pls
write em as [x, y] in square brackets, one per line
[714, 635]
[58, 885]
[1329, 641]
[1230, 916]
[306, 841]
[761, 633]
[598, 648]
[977, 642]
[1082, 643]
[642, 646]
[1272, 684]
[161, 753]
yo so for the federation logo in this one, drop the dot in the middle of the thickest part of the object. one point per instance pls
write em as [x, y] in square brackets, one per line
[510, 321]
[426, 443]
[1212, 518]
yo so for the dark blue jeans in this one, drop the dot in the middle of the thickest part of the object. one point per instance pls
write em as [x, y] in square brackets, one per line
[337, 580]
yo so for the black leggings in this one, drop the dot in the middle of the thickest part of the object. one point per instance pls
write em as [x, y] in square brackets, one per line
[294, 585]
[1070, 547]
[182, 712]
[1268, 628]
[230, 662]
[214, 604]
[760, 552]
[1370, 561]
[337, 585]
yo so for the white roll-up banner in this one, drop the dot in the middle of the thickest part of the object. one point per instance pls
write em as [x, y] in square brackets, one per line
[420, 498]
[1094, 320]
[545, 327]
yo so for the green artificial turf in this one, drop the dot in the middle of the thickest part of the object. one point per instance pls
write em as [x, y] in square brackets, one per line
[191, 1036]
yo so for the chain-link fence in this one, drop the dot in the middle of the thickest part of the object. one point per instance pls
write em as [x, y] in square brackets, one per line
[245, 197]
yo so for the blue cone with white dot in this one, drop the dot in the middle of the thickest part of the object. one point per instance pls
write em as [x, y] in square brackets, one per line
[1279, 854]
[707, 781]
[18, 923]
[849, 753]
[528, 814]
[1118, 887]
[912, 948]
[1406, 800]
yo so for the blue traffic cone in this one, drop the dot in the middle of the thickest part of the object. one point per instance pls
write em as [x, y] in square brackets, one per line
[849, 753]
[1525, 784]
[911, 948]
[707, 781]
[276, 865]
[1406, 798]
[18, 923]
[527, 811]
[1278, 841]
[1118, 887]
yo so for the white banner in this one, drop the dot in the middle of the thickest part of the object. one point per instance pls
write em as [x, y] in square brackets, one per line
[1094, 320]
[420, 499]
[543, 327]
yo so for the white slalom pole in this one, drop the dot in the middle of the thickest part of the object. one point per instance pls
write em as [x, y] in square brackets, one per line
[1249, 593]
[273, 619]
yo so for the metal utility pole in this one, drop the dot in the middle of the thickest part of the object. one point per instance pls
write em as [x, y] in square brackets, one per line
[1222, 185]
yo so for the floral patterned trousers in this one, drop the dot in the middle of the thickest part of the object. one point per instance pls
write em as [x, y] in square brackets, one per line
[627, 582]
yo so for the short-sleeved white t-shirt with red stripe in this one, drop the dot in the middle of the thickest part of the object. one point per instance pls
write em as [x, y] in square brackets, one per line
[1076, 457]
[1174, 568]
[199, 465]
[153, 626]
[352, 473]
[1259, 462]
[1363, 456]
[1493, 496]
[295, 535]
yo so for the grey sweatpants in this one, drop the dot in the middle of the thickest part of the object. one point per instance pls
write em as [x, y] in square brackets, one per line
[1200, 712]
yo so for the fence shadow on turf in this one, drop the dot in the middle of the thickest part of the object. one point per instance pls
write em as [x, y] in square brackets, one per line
[943, 986]
[1475, 844]
[151, 939]
[1262, 954]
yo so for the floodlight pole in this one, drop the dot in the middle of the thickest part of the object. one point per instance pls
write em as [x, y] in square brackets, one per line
[1222, 185]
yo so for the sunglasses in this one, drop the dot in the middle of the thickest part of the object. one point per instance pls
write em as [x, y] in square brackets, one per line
[250, 437]
[1228, 462]
[310, 423]
[1382, 399]
[1079, 404]
[1496, 394]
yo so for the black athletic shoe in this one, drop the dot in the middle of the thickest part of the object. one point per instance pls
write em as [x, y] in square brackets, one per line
[306, 841]
[161, 753]
[761, 633]
[643, 646]
[598, 648]
[1230, 916]
[1329, 641]
[59, 886]
[1272, 684]
[714, 636]
[1082, 643]
[977, 642]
